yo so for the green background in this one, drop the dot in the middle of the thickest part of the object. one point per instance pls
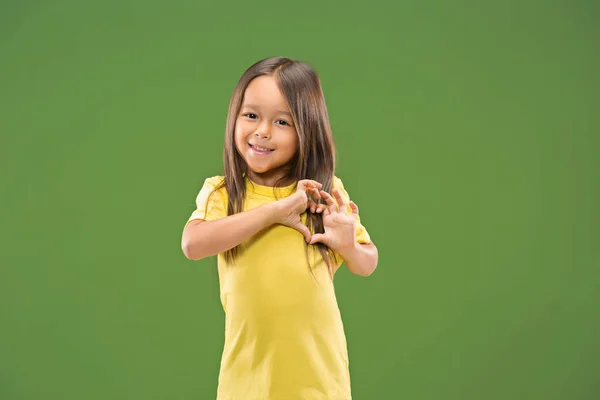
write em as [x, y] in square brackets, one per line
[467, 134]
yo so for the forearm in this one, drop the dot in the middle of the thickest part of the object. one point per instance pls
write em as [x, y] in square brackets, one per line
[361, 259]
[207, 238]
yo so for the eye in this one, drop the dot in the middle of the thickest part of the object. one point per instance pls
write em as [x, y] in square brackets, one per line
[250, 115]
[282, 122]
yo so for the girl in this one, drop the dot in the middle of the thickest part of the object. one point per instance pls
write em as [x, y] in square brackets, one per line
[281, 224]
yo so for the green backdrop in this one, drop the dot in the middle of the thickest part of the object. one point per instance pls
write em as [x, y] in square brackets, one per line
[467, 134]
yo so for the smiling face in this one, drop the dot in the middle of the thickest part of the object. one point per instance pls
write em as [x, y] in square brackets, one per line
[265, 135]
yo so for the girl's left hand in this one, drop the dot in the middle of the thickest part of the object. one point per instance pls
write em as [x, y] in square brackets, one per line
[340, 227]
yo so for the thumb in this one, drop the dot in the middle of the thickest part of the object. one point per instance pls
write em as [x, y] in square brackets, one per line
[319, 237]
[304, 231]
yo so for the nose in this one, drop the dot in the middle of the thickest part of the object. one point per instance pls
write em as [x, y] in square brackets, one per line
[263, 132]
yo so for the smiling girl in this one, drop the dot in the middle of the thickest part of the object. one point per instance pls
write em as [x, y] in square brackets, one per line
[281, 224]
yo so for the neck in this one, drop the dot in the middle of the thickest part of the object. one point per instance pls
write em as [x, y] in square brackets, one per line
[270, 178]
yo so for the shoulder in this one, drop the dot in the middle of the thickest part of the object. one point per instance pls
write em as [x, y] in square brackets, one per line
[339, 185]
[214, 181]
[213, 184]
[337, 182]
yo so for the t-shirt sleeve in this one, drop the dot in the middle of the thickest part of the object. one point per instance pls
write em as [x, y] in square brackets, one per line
[211, 204]
[362, 236]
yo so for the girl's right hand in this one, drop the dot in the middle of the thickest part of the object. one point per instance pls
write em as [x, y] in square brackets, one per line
[293, 206]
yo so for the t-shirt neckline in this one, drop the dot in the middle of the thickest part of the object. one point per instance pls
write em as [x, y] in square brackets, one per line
[270, 191]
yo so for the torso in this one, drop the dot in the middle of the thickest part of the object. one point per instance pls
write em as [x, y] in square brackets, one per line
[284, 336]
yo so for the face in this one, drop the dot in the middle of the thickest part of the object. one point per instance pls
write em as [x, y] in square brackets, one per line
[265, 135]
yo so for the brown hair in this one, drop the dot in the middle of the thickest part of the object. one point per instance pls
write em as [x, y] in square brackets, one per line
[315, 159]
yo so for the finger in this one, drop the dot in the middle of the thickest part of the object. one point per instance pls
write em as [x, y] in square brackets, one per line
[304, 184]
[314, 201]
[353, 207]
[321, 208]
[304, 231]
[340, 200]
[319, 238]
[331, 205]
[315, 193]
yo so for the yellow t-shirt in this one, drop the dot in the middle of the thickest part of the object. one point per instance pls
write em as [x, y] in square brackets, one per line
[284, 337]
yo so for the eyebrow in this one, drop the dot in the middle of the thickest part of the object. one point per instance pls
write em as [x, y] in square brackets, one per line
[257, 107]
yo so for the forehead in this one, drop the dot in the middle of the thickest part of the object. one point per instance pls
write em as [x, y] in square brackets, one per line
[264, 92]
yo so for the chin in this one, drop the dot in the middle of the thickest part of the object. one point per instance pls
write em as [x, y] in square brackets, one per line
[255, 169]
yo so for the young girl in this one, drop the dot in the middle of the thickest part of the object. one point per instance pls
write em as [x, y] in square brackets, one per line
[281, 224]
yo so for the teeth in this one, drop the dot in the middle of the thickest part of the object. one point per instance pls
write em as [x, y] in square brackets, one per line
[261, 148]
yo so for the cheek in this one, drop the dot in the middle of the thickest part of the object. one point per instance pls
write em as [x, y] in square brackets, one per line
[291, 143]
[239, 133]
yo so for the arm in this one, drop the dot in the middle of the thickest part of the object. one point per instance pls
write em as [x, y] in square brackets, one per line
[361, 259]
[207, 238]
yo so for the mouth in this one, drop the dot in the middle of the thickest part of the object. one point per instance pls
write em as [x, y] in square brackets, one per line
[259, 149]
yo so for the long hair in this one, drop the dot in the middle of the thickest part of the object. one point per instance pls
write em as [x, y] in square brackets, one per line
[315, 159]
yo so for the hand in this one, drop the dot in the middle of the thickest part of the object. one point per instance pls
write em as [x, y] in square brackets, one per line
[340, 227]
[293, 206]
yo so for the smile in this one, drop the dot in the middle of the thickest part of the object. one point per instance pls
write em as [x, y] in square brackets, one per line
[260, 150]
